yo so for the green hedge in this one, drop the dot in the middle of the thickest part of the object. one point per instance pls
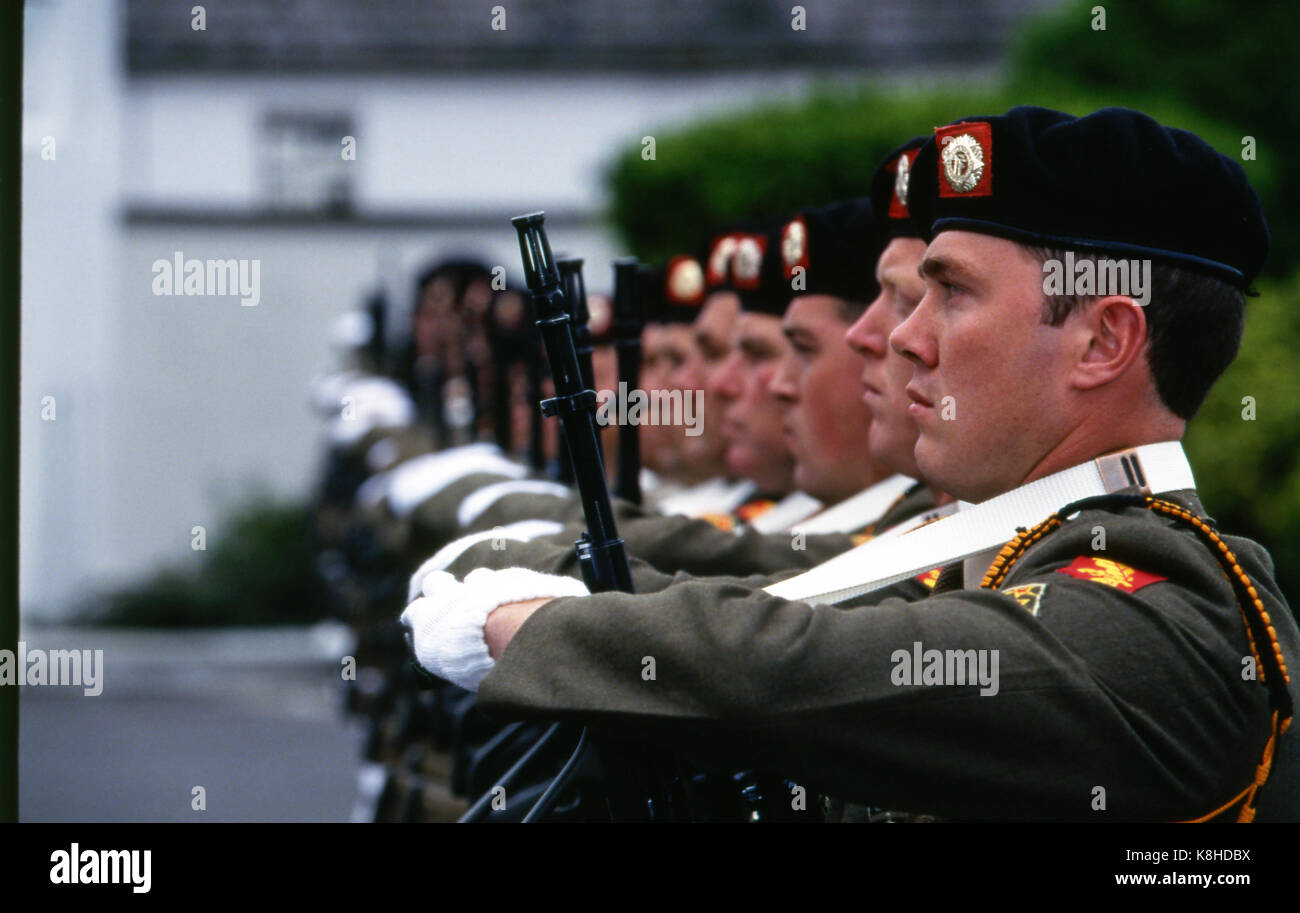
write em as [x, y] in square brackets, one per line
[1247, 471]
[258, 569]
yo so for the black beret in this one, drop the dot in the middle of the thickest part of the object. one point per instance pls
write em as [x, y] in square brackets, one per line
[674, 291]
[1113, 181]
[889, 190]
[461, 271]
[715, 257]
[756, 271]
[836, 246]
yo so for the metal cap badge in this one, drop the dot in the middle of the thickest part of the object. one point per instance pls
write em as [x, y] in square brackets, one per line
[684, 283]
[965, 159]
[794, 246]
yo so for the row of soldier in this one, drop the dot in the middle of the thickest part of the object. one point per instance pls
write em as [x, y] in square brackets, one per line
[473, 370]
[870, 390]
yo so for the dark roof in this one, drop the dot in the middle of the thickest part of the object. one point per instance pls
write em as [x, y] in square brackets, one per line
[653, 35]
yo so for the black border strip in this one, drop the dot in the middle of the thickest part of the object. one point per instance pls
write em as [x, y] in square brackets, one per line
[11, 60]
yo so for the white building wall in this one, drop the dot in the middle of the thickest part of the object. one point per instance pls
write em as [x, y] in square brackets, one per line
[72, 97]
[442, 142]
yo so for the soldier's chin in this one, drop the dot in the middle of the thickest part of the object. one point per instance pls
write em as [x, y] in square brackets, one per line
[934, 461]
[894, 448]
[740, 462]
[822, 483]
[705, 452]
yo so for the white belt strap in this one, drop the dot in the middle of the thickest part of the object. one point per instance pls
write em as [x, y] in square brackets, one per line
[921, 519]
[786, 513]
[860, 510]
[717, 496]
[884, 560]
[476, 502]
[416, 481]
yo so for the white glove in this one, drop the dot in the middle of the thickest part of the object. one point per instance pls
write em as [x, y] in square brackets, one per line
[447, 621]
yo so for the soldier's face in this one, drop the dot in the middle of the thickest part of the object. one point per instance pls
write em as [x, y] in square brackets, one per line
[989, 385]
[437, 326]
[521, 409]
[664, 348]
[710, 344]
[752, 416]
[826, 422]
[711, 335]
[477, 297]
[667, 349]
[885, 373]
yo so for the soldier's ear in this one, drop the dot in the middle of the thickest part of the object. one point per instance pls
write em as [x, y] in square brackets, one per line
[1112, 333]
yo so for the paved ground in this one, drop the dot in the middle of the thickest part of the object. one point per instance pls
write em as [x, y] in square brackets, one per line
[250, 715]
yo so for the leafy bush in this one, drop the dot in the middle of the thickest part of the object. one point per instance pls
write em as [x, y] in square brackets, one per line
[258, 570]
[1247, 472]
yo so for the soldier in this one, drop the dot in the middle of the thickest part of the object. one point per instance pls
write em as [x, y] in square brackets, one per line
[750, 415]
[712, 331]
[1143, 656]
[673, 296]
[826, 259]
[441, 366]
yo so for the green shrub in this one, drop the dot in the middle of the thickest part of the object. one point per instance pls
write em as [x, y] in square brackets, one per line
[1247, 471]
[258, 570]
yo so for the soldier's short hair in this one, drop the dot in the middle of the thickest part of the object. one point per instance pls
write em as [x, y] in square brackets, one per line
[1194, 326]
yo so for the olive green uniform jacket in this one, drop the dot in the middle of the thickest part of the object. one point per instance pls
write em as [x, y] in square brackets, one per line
[1122, 688]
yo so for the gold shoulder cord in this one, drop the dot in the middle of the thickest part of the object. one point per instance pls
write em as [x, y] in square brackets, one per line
[1272, 663]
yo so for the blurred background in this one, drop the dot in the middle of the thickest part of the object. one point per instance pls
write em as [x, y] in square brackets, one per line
[147, 416]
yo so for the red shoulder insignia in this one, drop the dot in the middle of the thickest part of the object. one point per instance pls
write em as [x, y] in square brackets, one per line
[1111, 573]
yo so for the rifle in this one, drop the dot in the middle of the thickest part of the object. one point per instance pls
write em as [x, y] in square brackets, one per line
[571, 282]
[601, 554]
[629, 321]
[377, 348]
[561, 315]
[536, 445]
[575, 296]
